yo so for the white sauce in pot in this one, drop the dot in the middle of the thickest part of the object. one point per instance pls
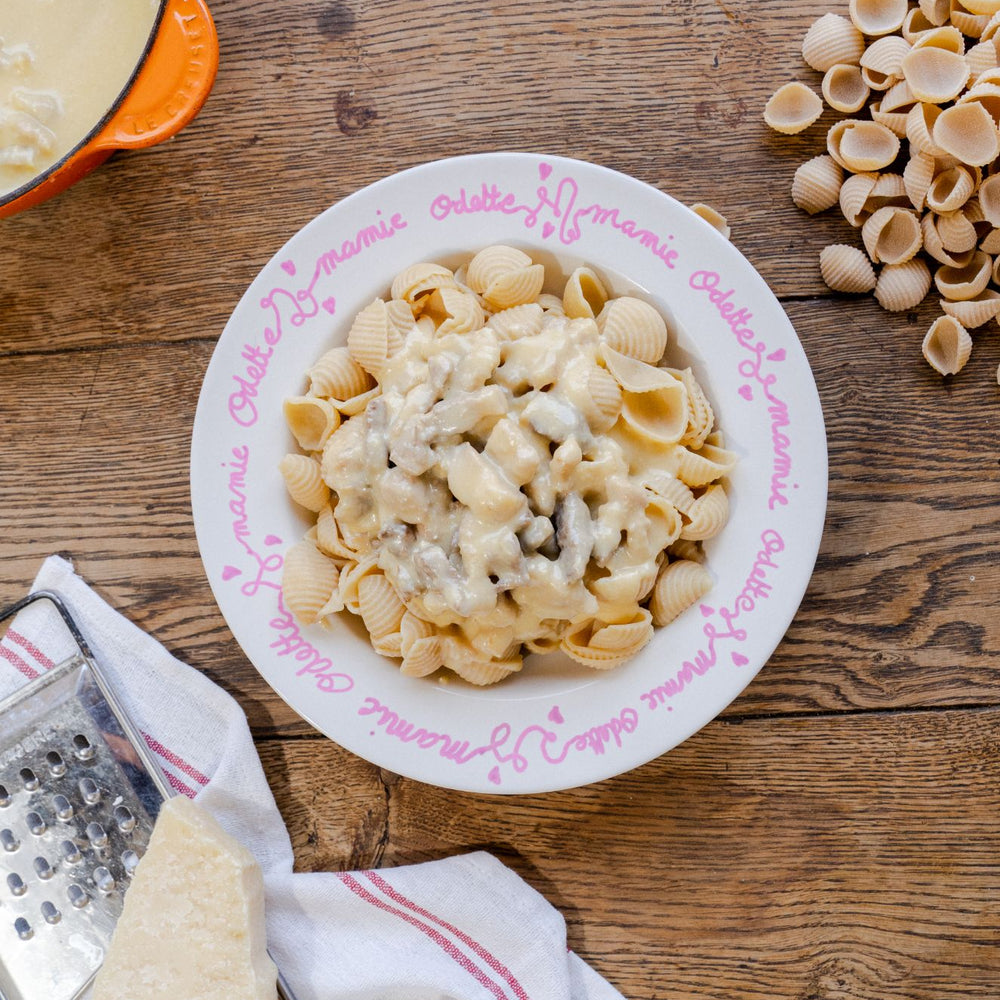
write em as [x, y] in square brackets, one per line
[63, 64]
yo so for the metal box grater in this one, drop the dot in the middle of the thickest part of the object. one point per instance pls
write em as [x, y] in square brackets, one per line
[78, 798]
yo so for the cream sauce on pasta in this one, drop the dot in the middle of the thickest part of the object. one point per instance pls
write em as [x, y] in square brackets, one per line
[63, 63]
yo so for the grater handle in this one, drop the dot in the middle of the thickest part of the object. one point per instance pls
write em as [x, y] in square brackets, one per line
[47, 595]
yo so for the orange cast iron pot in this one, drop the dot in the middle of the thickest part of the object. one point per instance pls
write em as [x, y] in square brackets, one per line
[171, 84]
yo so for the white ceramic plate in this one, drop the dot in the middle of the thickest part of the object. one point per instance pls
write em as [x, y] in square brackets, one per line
[555, 725]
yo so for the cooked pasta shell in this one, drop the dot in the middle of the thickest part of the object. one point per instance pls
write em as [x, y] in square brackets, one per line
[859, 145]
[606, 398]
[336, 375]
[967, 132]
[968, 23]
[660, 415]
[854, 194]
[915, 24]
[311, 420]
[412, 629]
[699, 468]
[328, 538]
[515, 288]
[934, 246]
[878, 17]
[892, 235]
[454, 311]
[355, 404]
[304, 483]
[701, 417]
[947, 346]
[379, 605]
[935, 75]
[422, 658]
[903, 286]
[950, 190]
[714, 218]
[494, 262]
[919, 127]
[551, 304]
[419, 280]
[846, 269]
[832, 39]
[633, 327]
[680, 584]
[663, 524]
[351, 576]
[936, 11]
[991, 242]
[844, 89]
[584, 295]
[371, 337]
[400, 315]
[958, 284]
[670, 488]
[387, 645]
[518, 321]
[605, 646]
[484, 672]
[816, 184]
[308, 582]
[974, 312]
[708, 514]
[918, 174]
[957, 233]
[885, 56]
[792, 108]
[684, 548]
[634, 375]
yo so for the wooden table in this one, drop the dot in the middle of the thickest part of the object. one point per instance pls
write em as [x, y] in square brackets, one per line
[834, 834]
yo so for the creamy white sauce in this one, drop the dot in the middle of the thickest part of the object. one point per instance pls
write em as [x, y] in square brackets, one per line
[63, 64]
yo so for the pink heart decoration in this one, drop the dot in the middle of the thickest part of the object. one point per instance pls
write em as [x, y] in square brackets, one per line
[746, 392]
[330, 305]
[556, 716]
[547, 230]
[272, 540]
[706, 611]
[288, 266]
[544, 170]
[494, 776]
[778, 355]
[228, 572]
[740, 660]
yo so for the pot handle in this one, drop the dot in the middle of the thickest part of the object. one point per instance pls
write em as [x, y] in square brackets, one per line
[172, 84]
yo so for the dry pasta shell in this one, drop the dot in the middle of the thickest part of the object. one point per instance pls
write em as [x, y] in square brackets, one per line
[311, 420]
[816, 184]
[844, 89]
[634, 375]
[898, 97]
[903, 286]
[515, 287]
[680, 584]
[968, 23]
[492, 263]
[714, 218]
[304, 482]
[981, 59]
[854, 193]
[992, 26]
[832, 39]
[878, 17]
[518, 321]
[991, 242]
[860, 146]
[950, 190]
[892, 235]
[956, 232]
[919, 127]
[633, 327]
[967, 132]
[846, 269]
[936, 11]
[934, 246]
[894, 121]
[987, 7]
[961, 283]
[606, 398]
[986, 93]
[885, 56]
[973, 212]
[888, 190]
[336, 375]
[584, 295]
[915, 24]
[947, 346]
[379, 605]
[660, 415]
[421, 279]
[918, 174]
[792, 108]
[944, 37]
[699, 468]
[708, 514]
[935, 75]
[308, 582]
[974, 312]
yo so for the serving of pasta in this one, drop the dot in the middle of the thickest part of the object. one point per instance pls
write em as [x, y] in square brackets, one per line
[496, 471]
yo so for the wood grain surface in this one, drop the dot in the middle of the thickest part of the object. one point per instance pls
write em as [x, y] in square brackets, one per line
[834, 835]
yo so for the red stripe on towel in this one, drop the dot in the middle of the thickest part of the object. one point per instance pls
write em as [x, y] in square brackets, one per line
[488, 957]
[29, 647]
[17, 663]
[436, 936]
[179, 786]
[171, 758]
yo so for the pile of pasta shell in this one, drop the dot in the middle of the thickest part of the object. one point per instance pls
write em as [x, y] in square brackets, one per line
[919, 178]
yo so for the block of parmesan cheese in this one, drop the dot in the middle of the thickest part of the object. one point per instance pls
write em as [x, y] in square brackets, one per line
[192, 927]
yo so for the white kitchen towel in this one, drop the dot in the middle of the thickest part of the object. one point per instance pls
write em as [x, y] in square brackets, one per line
[465, 927]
